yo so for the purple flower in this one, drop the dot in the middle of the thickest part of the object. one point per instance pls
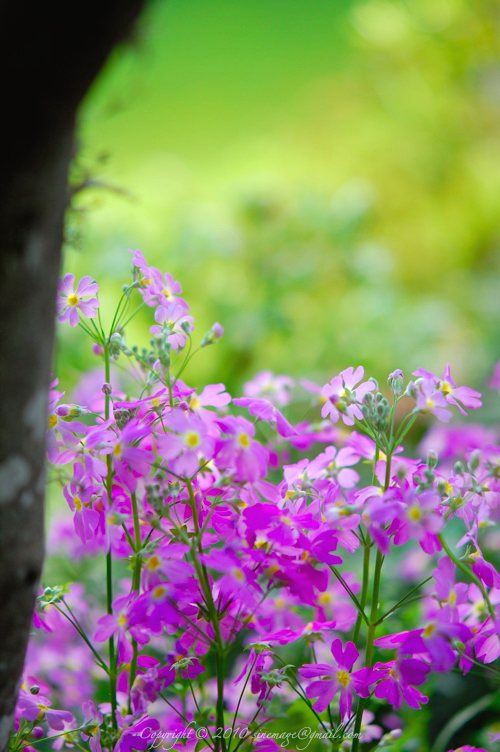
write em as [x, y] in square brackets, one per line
[397, 680]
[172, 322]
[37, 707]
[240, 452]
[92, 722]
[461, 396]
[343, 396]
[71, 301]
[264, 410]
[337, 679]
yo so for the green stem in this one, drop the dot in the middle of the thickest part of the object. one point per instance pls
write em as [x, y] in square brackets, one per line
[109, 562]
[372, 627]
[348, 590]
[136, 584]
[364, 592]
[220, 650]
[403, 601]
[82, 634]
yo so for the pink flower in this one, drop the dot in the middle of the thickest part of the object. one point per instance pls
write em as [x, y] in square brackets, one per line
[455, 395]
[172, 322]
[71, 301]
[240, 451]
[35, 707]
[343, 396]
[264, 410]
[265, 385]
[430, 399]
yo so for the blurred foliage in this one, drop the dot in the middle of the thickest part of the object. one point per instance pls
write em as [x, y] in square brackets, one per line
[321, 177]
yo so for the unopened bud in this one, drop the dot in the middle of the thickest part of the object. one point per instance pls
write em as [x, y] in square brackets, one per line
[396, 381]
[35, 689]
[474, 460]
[432, 459]
[212, 335]
[107, 388]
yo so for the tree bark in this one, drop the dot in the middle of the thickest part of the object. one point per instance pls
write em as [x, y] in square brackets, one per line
[48, 63]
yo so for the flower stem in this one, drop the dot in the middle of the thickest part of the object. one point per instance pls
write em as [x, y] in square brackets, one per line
[109, 562]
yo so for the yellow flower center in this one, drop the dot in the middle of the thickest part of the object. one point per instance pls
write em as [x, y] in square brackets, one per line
[453, 597]
[445, 387]
[153, 563]
[414, 513]
[430, 403]
[428, 631]
[279, 603]
[77, 502]
[117, 451]
[324, 599]
[52, 421]
[122, 620]
[244, 440]
[192, 439]
[238, 573]
[73, 299]
[159, 591]
[272, 569]
[194, 402]
[343, 678]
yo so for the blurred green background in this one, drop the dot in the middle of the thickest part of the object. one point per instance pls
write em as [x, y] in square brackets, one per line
[322, 176]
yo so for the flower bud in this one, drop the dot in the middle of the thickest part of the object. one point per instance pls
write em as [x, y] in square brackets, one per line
[432, 459]
[35, 689]
[411, 390]
[396, 381]
[474, 460]
[212, 335]
[107, 389]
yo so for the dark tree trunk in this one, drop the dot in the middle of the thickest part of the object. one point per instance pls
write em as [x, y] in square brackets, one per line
[48, 61]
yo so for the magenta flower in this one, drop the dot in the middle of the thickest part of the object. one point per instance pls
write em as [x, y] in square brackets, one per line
[337, 679]
[398, 680]
[240, 452]
[78, 493]
[71, 301]
[449, 593]
[460, 396]
[122, 623]
[264, 410]
[188, 444]
[343, 397]
[138, 736]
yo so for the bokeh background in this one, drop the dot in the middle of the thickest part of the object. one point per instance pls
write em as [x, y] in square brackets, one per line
[322, 177]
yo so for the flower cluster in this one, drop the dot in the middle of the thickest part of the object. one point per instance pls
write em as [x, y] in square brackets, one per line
[225, 552]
